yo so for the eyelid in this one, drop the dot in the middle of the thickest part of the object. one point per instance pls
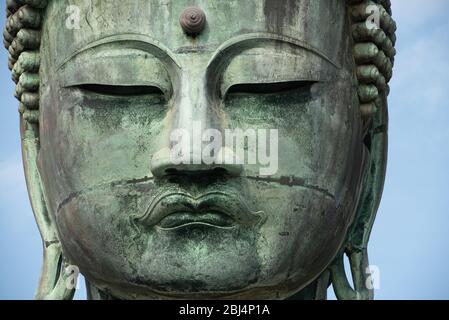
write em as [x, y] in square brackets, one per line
[126, 68]
[120, 90]
[269, 87]
[266, 65]
[266, 87]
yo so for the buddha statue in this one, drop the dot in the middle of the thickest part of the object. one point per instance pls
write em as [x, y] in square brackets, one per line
[102, 87]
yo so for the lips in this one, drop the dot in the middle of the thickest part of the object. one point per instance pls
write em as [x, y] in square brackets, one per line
[174, 210]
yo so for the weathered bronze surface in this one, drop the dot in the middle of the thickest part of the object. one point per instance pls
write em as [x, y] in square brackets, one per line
[101, 86]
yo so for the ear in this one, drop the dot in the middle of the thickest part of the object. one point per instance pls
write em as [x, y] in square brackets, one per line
[356, 244]
[56, 281]
[374, 58]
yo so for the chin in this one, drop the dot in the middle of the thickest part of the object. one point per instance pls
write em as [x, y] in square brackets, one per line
[209, 263]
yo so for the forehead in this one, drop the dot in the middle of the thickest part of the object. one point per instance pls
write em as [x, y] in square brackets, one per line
[319, 23]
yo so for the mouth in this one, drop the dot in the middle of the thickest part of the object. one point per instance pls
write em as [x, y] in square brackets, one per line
[171, 211]
[178, 220]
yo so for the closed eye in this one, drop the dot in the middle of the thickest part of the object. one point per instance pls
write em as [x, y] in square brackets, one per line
[120, 90]
[270, 88]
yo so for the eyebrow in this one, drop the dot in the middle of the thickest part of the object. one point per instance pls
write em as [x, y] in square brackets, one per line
[257, 36]
[150, 45]
[144, 43]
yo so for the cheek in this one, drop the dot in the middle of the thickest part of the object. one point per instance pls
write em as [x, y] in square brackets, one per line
[319, 133]
[320, 145]
[303, 231]
[97, 230]
[89, 142]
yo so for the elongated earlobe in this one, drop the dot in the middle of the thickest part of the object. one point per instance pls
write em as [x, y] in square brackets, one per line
[374, 57]
[54, 281]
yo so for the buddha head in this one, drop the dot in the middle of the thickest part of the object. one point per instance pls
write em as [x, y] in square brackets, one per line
[109, 89]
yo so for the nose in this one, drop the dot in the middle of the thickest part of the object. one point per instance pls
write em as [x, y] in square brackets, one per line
[165, 163]
[192, 142]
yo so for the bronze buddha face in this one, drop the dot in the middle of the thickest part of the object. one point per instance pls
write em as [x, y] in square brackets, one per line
[115, 88]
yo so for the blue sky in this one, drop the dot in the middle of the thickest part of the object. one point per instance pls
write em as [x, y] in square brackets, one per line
[409, 241]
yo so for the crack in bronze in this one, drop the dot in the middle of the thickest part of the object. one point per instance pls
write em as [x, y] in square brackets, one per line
[380, 129]
[75, 194]
[50, 243]
[290, 181]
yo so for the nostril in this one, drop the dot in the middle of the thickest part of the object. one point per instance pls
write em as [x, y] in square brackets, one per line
[220, 171]
[171, 171]
[173, 179]
[161, 165]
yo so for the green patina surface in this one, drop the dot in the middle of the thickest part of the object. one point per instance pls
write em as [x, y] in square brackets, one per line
[99, 102]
